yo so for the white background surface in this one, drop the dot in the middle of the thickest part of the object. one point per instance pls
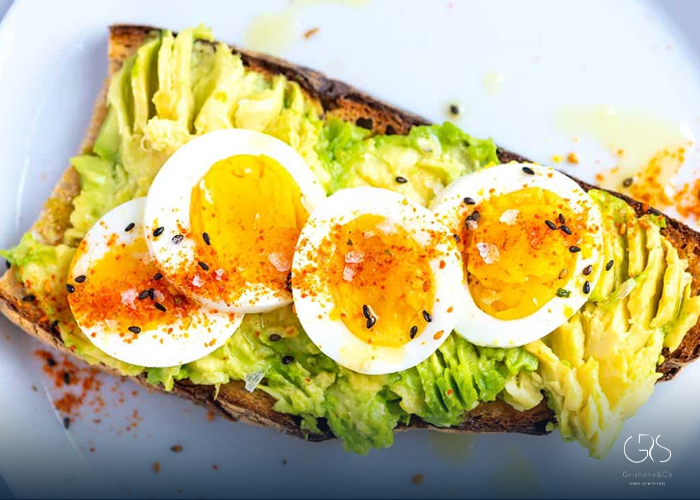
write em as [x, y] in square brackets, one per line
[419, 56]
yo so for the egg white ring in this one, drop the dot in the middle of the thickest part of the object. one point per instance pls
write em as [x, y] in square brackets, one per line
[169, 198]
[480, 327]
[332, 336]
[146, 349]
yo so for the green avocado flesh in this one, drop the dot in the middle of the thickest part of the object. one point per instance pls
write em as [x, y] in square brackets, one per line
[596, 370]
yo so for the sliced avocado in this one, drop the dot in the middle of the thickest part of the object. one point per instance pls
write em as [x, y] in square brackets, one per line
[108, 140]
[144, 82]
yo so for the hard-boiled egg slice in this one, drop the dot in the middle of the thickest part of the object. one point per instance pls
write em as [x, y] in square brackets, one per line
[127, 308]
[531, 241]
[375, 279]
[223, 216]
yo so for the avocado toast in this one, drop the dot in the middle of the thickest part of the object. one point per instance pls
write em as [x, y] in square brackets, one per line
[336, 100]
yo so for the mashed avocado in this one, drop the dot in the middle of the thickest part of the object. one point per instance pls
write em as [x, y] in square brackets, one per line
[596, 370]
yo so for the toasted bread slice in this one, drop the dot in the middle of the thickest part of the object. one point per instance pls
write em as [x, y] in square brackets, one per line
[335, 99]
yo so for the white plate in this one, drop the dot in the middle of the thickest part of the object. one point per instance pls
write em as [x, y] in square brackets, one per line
[52, 62]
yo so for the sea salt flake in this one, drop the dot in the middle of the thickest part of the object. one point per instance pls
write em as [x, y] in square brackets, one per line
[159, 295]
[280, 262]
[472, 225]
[348, 273]
[129, 296]
[626, 288]
[197, 281]
[253, 379]
[387, 226]
[354, 257]
[488, 252]
[509, 216]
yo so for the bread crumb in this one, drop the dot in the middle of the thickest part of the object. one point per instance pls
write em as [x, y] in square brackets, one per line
[215, 467]
[417, 478]
[210, 415]
[156, 467]
[572, 158]
[311, 32]
[177, 448]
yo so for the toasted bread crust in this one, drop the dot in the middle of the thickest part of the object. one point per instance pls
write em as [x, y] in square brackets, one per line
[341, 100]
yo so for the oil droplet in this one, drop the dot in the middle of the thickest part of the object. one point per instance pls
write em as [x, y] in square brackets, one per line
[273, 33]
[493, 82]
[453, 448]
[647, 150]
[517, 477]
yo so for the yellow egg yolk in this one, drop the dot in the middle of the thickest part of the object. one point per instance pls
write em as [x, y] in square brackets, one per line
[125, 290]
[379, 279]
[246, 214]
[517, 254]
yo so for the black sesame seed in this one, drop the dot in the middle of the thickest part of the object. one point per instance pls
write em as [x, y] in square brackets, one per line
[528, 171]
[474, 216]
[456, 237]
[66, 422]
[158, 231]
[370, 322]
[551, 225]
[454, 109]
[365, 311]
[29, 298]
[565, 229]
[152, 293]
[203, 266]
[288, 283]
[469, 201]
[158, 276]
[587, 287]
[51, 362]
[627, 182]
[401, 180]
[587, 270]
[427, 317]
[135, 329]
[144, 295]
[66, 378]
[275, 337]
[177, 239]
[70, 288]
[205, 237]
[130, 227]
[160, 307]
[561, 219]
[609, 265]
[414, 331]
[7, 264]
[287, 360]
[80, 279]
[574, 249]
[349, 242]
